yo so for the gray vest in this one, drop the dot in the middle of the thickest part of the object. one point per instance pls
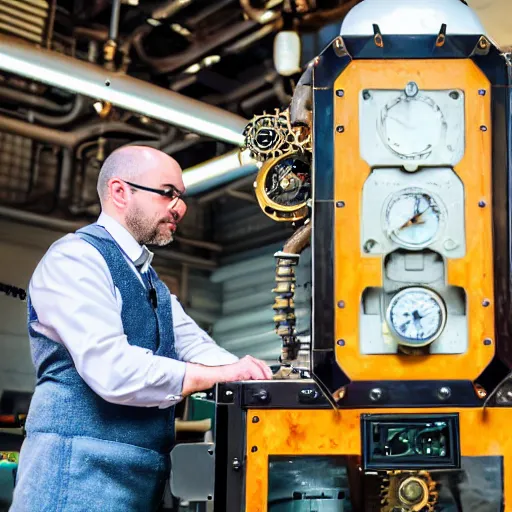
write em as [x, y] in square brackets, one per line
[64, 404]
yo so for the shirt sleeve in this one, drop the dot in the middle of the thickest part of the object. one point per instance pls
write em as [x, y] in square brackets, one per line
[193, 344]
[77, 305]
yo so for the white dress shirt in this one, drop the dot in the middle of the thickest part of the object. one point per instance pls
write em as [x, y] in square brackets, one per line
[77, 304]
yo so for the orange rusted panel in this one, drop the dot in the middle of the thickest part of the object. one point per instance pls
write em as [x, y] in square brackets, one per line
[329, 432]
[354, 271]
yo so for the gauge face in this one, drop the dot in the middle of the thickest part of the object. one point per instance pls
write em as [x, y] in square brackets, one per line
[288, 183]
[413, 218]
[417, 316]
[411, 127]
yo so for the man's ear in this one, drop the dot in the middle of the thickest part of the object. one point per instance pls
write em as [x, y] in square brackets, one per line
[120, 193]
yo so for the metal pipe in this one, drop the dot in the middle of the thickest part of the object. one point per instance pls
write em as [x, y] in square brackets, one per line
[32, 100]
[67, 139]
[121, 90]
[114, 20]
[72, 115]
[170, 8]
[216, 172]
[67, 226]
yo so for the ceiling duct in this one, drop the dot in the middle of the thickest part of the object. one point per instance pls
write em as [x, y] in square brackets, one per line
[121, 90]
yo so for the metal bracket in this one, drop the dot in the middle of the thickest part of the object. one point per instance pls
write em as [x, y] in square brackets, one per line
[193, 471]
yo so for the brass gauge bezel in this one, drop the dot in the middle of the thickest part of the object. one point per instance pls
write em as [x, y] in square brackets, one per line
[272, 209]
[433, 295]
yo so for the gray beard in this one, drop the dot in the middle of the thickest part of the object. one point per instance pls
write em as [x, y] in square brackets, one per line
[144, 231]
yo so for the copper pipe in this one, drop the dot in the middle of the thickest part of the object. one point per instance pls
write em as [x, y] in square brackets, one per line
[299, 240]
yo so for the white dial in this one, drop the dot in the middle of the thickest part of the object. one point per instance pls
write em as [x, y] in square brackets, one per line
[416, 316]
[413, 218]
[412, 125]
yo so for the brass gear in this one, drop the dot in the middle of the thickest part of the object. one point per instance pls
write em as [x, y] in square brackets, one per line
[269, 136]
[408, 491]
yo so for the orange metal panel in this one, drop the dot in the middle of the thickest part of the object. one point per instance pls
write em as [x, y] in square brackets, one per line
[355, 271]
[329, 432]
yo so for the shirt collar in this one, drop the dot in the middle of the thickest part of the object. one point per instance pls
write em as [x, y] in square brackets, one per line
[124, 238]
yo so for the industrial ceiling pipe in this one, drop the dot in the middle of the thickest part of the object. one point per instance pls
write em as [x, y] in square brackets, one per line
[121, 90]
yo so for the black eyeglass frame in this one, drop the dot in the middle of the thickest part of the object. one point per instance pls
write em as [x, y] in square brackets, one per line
[172, 192]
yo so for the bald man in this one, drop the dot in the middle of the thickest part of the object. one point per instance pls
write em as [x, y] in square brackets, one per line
[113, 351]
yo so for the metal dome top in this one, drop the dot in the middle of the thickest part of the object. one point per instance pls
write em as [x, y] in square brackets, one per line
[402, 17]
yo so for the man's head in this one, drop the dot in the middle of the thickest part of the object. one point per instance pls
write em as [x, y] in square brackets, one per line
[150, 217]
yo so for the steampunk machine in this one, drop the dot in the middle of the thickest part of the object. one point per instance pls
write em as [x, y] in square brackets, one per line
[394, 164]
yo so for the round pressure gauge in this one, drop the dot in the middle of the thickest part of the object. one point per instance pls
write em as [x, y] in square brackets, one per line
[411, 125]
[416, 316]
[413, 218]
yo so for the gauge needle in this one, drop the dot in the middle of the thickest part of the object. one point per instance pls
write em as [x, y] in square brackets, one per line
[414, 220]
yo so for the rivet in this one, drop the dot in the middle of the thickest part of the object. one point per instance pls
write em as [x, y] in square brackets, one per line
[341, 343]
[254, 449]
[482, 92]
[340, 93]
[375, 394]
[341, 304]
[210, 497]
[487, 341]
[486, 302]
[482, 204]
[340, 204]
[444, 393]
[483, 128]
[454, 95]
[255, 419]
[340, 129]
[107, 83]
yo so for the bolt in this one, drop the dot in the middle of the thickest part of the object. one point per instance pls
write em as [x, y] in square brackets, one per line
[210, 497]
[107, 83]
[482, 92]
[341, 343]
[486, 303]
[482, 204]
[483, 128]
[341, 304]
[236, 465]
[255, 419]
[210, 451]
[340, 204]
[411, 89]
[487, 341]
[444, 393]
[366, 95]
[254, 449]
[340, 129]
[340, 93]
[375, 394]
[454, 95]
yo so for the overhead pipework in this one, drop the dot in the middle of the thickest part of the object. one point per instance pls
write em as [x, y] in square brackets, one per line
[120, 90]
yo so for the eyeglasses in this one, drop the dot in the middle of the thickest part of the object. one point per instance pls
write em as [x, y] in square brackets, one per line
[171, 192]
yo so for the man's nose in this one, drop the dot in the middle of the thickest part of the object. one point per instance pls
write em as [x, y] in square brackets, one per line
[178, 209]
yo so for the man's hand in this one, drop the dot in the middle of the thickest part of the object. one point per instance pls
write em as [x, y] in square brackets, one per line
[199, 377]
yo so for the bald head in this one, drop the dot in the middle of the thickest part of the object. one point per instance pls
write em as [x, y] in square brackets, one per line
[135, 164]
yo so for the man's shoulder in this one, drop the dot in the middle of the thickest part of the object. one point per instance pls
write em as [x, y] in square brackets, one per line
[72, 249]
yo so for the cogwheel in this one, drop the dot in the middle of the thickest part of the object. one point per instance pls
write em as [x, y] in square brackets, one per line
[408, 491]
[271, 135]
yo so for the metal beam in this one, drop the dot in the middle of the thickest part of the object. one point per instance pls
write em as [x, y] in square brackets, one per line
[119, 89]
